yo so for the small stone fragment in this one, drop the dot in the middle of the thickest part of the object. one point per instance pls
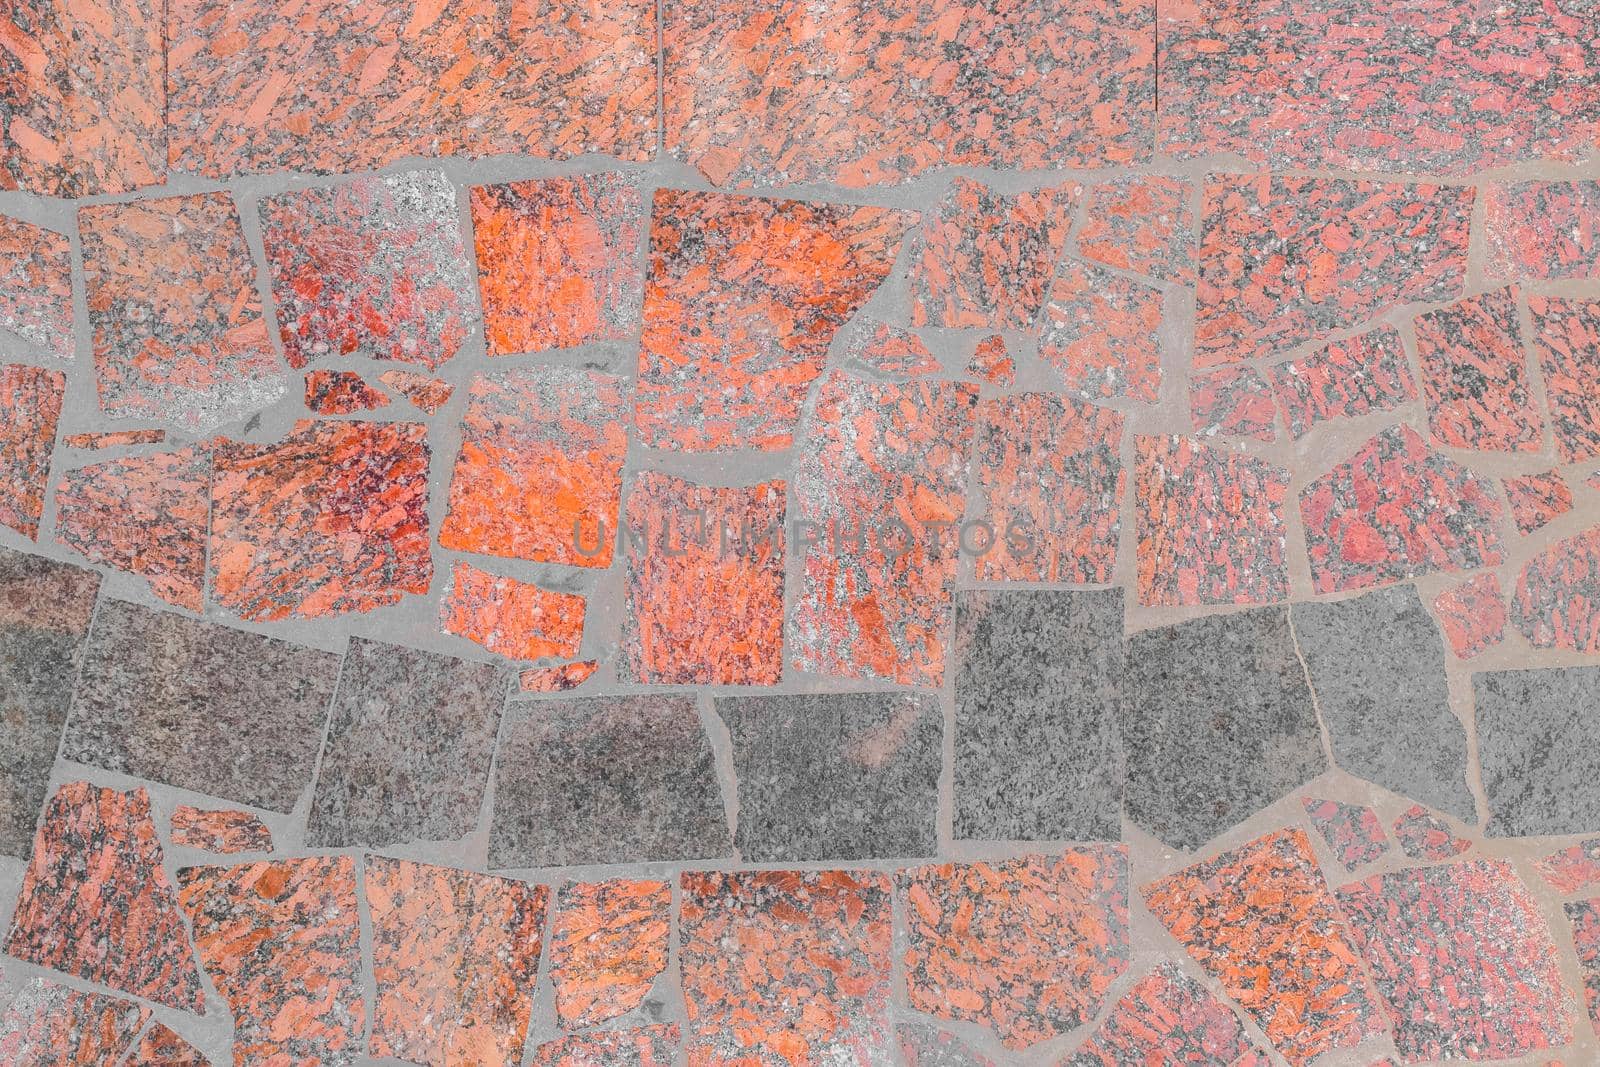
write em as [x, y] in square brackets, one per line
[518, 620]
[1544, 230]
[1472, 615]
[1425, 836]
[1168, 1017]
[1536, 499]
[223, 832]
[1234, 402]
[1101, 332]
[1557, 600]
[36, 284]
[115, 439]
[991, 363]
[1352, 831]
[1584, 915]
[162, 1046]
[883, 350]
[1566, 335]
[1573, 869]
[341, 392]
[426, 394]
[651, 1046]
[1474, 375]
[608, 947]
[558, 679]
[1361, 375]
[30, 406]
[1143, 224]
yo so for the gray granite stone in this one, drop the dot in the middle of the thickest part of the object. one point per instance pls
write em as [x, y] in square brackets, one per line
[1377, 668]
[199, 706]
[1037, 681]
[408, 750]
[1217, 723]
[1539, 750]
[45, 608]
[835, 775]
[625, 779]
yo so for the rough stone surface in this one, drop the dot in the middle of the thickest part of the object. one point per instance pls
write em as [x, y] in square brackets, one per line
[1541, 773]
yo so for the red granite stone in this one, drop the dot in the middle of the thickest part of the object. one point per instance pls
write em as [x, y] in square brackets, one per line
[1352, 831]
[650, 1046]
[1143, 224]
[991, 363]
[1101, 332]
[36, 285]
[1345, 379]
[96, 902]
[330, 87]
[539, 475]
[332, 519]
[341, 392]
[1169, 1018]
[374, 267]
[143, 514]
[51, 1025]
[1536, 499]
[885, 351]
[742, 298]
[557, 679]
[1584, 915]
[1573, 869]
[83, 97]
[558, 261]
[162, 1046]
[1425, 836]
[1050, 479]
[1566, 335]
[1557, 601]
[880, 486]
[607, 948]
[223, 831]
[1028, 947]
[1233, 402]
[30, 407]
[1395, 510]
[727, 545]
[1462, 959]
[518, 620]
[1210, 525]
[1286, 260]
[779, 92]
[1544, 229]
[426, 394]
[1472, 615]
[1474, 375]
[113, 439]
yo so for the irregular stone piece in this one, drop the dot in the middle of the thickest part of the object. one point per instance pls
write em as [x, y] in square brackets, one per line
[1472, 615]
[1474, 375]
[1557, 602]
[1537, 499]
[223, 832]
[281, 941]
[179, 335]
[558, 261]
[1394, 510]
[1261, 909]
[1210, 525]
[1425, 836]
[408, 748]
[454, 957]
[1352, 831]
[1101, 332]
[1233, 401]
[894, 91]
[558, 679]
[786, 966]
[1361, 375]
[835, 775]
[115, 439]
[987, 257]
[880, 459]
[991, 363]
[1037, 757]
[96, 903]
[1274, 272]
[884, 351]
[651, 1046]
[1143, 224]
[374, 266]
[30, 407]
[539, 476]
[36, 283]
[1493, 993]
[341, 392]
[742, 299]
[45, 608]
[1217, 722]
[1584, 915]
[162, 1046]
[52, 1025]
[627, 779]
[608, 947]
[199, 706]
[1049, 473]
[84, 98]
[1544, 229]
[332, 88]
[1541, 772]
[726, 544]
[927, 1046]
[1572, 869]
[1028, 947]
[515, 619]
[1376, 663]
[332, 519]
[1168, 1017]
[1566, 335]
[143, 514]
[426, 394]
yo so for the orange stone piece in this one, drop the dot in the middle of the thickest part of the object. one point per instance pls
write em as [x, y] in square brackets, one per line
[36, 283]
[426, 394]
[608, 948]
[651, 1046]
[558, 679]
[30, 407]
[518, 620]
[223, 832]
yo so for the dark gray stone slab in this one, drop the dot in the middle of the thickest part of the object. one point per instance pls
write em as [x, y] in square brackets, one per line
[45, 608]
[1377, 668]
[1037, 681]
[1217, 723]
[199, 706]
[409, 747]
[606, 780]
[836, 775]
[1539, 750]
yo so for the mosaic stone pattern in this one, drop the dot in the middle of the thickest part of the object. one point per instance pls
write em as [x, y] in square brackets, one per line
[36, 285]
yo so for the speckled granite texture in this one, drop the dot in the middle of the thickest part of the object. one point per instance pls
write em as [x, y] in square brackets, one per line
[923, 533]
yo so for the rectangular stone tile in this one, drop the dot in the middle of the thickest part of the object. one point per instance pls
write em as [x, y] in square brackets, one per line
[45, 608]
[742, 298]
[36, 284]
[30, 407]
[1102, 334]
[179, 334]
[1537, 499]
[52, 1025]
[329, 87]
[1038, 682]
[1557, 600]
[1344, 379]
[835, 775]
[1475, 375]
[1217, 722]
[628, 779]
[518, 620]
[1377, 667]
[608, 946]
[1544, 229]
[777, 92]
[199, 706]
[83, 102]
[1540, 765]
[408, 748]
[1566, 336]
